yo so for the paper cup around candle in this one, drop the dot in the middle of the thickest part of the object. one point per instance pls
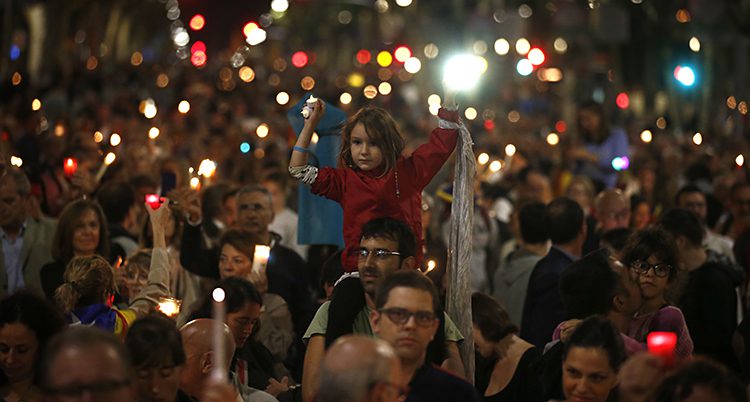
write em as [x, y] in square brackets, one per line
[663, 344]
[170, 306]
[70, 165]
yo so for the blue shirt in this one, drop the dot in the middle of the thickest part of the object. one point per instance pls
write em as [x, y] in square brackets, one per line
[12, 255]
[615, 145]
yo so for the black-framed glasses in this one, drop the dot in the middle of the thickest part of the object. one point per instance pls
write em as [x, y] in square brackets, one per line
[642, 267]
[401, 316]
[379, 253]
[402, 390]
[76, 390]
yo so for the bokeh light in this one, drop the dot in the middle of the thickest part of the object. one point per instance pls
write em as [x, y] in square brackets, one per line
[523, 46]
[502, 47]
[697, 138]
[36, 104]
[483, 158]
[560, 45]
[384, 88]
[247, 74]
[510, 149]
[115, 139]
[402, 53]
[282, 98]
[245, 147]
[197, 22]
[553, 139]
[364, 56]
[370, 92]
[524, 67]
[262, 130]
[695, 44]
[299, 59]
[470, 113]
[183, 107]
[536, 56]
[153, 132]
[279, 6]
[384, 59]
[412, 65]
[646, 136]
[345, 98]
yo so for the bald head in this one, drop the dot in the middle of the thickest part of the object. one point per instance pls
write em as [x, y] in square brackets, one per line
[196, 336]
[196, 339]
[354, 367]
[612, 210]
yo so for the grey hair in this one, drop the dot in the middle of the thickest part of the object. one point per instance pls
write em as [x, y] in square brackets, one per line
[255, 188]
[354, 384]
[22, 182]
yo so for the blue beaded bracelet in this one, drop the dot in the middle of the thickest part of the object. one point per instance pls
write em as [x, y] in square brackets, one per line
[300, 149]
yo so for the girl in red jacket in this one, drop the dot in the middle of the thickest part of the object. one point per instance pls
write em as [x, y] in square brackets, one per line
[373, 180]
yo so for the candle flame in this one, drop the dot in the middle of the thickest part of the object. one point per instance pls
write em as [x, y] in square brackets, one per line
[218, 295]
[110, 158]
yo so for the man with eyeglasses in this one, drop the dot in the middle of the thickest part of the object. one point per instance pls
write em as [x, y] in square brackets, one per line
[357, 368]
[709, 300]
[405, 316]
[86, 363]
[386, 246]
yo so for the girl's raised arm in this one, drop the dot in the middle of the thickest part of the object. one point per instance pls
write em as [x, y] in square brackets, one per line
[299, 152]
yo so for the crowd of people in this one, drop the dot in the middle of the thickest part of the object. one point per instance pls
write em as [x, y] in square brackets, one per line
[575, 263]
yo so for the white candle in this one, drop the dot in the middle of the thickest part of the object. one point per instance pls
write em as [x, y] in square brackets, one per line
[260, 259]
[219, 369]
[107, 161]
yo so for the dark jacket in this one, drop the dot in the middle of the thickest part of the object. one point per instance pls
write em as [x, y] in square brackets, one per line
[709, 304]
[543, 308]
[286, 271]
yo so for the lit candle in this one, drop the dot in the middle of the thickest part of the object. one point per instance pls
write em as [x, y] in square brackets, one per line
[662, 344]
[70, 165]
[430, 266]
[107, 161]
[195, 183]
[260, 259]
[218, 369]
[170, 306]
[207, 169]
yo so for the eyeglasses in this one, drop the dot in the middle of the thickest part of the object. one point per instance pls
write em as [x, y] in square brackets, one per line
[77, 390]
[403, 391]
[401, 316]
[642, 267]
[379, 253]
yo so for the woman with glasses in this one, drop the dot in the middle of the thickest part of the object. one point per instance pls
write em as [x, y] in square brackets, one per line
[651, 255]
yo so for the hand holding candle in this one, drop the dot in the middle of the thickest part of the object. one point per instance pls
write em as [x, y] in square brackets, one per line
[663, 344]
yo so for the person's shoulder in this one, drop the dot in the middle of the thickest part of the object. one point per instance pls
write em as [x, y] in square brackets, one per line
[442, 382]
[282, 251]
[256, 395]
